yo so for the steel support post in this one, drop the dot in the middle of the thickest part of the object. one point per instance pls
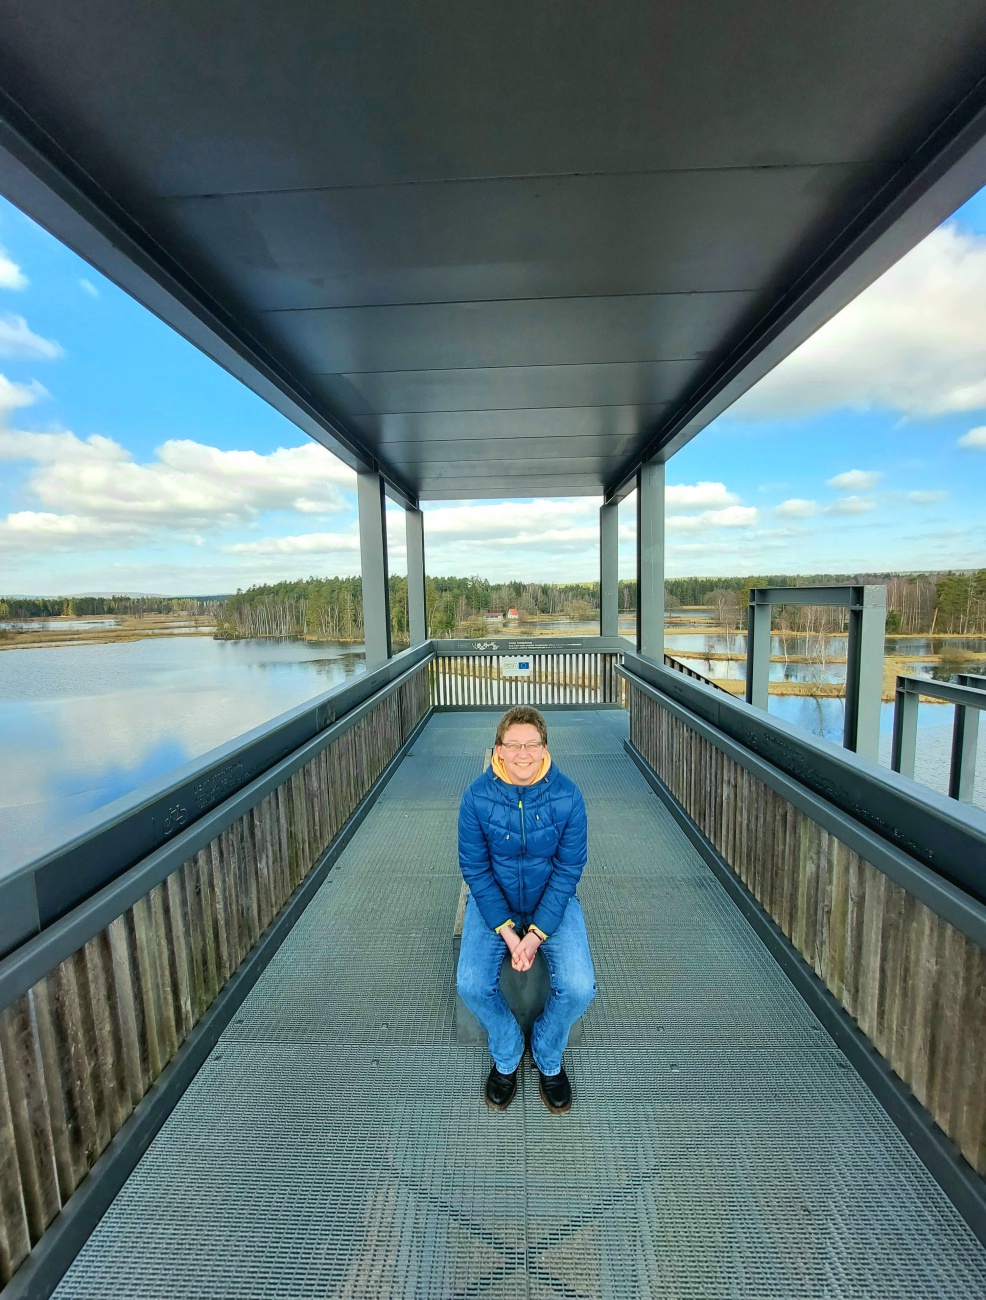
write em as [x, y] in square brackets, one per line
[609, 569]
[417, 617]
[758, 650]
[864, 670]
[905, 740]
[373, 565]
[650, 560]
[965, 739]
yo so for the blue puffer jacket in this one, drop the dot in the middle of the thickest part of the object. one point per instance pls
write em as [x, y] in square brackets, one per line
[522, 848]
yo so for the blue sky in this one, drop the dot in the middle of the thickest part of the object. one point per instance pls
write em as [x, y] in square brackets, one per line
[130, 462]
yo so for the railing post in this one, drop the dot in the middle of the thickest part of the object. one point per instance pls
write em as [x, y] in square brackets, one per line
[864, 670]
[373, 566]
[417, 617]
[609, 572]
[904, 746]
[965, 741]
[650, 560]
[758, 649]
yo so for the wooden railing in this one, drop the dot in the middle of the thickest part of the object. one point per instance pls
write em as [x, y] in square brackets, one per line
[582, 671]
[898, 946]
[82, 1045]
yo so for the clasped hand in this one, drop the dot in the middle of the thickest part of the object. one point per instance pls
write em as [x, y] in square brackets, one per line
[521, 950]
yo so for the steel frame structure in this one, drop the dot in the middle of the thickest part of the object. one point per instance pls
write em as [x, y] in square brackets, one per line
[969, 699]
[864, 655]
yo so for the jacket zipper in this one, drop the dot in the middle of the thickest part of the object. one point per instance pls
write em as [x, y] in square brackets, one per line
[523, 849]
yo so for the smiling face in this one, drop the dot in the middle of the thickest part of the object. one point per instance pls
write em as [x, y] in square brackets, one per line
[522, 764]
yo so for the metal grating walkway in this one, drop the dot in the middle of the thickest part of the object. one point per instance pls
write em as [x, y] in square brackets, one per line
[336, 1143]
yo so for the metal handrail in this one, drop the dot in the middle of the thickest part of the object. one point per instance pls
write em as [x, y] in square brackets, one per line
[969, 700]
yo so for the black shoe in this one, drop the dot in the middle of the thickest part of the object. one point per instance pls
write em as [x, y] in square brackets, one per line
[500, 1089]
[556, 1091]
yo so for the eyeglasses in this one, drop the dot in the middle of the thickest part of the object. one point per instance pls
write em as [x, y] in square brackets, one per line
[530, 746]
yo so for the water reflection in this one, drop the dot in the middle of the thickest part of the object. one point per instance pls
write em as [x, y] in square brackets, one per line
[82, 725]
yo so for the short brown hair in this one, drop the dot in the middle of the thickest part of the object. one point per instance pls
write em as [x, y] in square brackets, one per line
[524, 714]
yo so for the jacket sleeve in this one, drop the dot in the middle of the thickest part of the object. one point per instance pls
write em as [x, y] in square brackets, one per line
[569, 862]
[476, 867]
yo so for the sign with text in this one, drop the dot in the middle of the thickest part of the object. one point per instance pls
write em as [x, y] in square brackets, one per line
[516, 666]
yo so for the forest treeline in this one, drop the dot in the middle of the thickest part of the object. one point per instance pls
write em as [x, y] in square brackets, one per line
[16, 607]
[332, 608]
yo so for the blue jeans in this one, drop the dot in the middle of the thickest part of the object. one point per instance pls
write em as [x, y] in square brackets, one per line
[573, 986]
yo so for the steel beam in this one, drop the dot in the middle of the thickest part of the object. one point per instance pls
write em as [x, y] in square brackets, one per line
[609, 570]
[965, 742]
[650, 560]
[417, 614]
[904, 748]
[864, 669]
[373, 566]
[758, 649]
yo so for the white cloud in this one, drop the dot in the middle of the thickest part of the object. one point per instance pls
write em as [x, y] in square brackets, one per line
[974, 438]
[914, 342]
[14, 396]
[313, 544]
[680, 498]
[850, 506]
[189, 484]
[88, 287]
[926, 498]
[855, 480]
[731, 517]
[42, 531]
[17, 339]
[797, 508]
[11, 275]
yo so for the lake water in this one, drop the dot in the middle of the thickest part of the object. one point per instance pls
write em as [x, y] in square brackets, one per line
[82, 725]
[59, 624]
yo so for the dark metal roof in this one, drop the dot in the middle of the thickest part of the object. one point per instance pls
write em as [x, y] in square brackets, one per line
[495, 250]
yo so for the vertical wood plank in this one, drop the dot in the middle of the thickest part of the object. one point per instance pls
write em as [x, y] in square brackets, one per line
[874, 887]
[178, 929]
[35, 1188]
[161, 956]
[127, 1005]
[148, 989]
[97, 961]
[15, 1234]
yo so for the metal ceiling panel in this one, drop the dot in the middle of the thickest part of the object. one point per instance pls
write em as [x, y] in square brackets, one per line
[239, 95]
[641, 383]
[538, 331]
[537, 237]
[394, 221]
[524, 487]
[418, 456]
[604, 424]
